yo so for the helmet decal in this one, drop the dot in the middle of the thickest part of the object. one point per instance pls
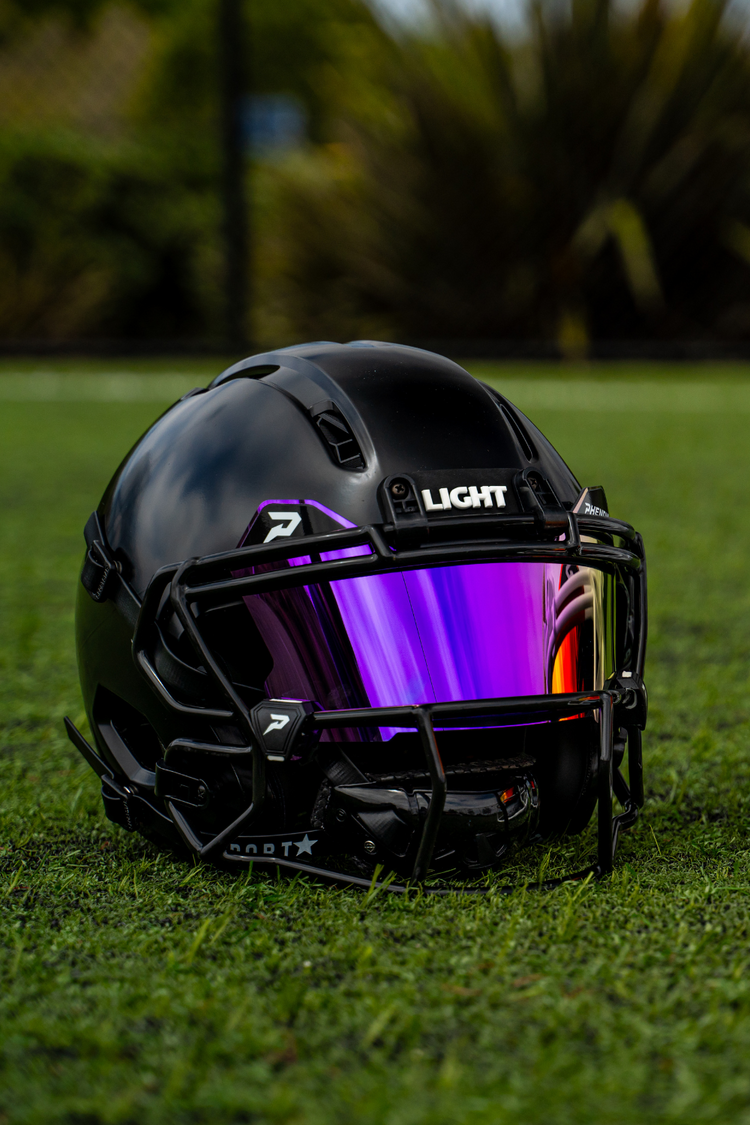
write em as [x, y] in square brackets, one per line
[285, 519]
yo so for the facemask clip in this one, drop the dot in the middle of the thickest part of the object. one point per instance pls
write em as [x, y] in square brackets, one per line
[279, 725]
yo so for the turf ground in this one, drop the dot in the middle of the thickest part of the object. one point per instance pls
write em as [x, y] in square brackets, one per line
[137, 989]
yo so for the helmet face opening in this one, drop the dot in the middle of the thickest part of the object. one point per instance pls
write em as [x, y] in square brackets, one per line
[419, 666]
[485, 630]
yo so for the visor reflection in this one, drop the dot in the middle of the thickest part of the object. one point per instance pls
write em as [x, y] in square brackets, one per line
[440, 634]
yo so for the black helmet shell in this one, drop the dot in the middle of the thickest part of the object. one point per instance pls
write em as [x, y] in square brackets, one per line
[195, 479]
[188, 742]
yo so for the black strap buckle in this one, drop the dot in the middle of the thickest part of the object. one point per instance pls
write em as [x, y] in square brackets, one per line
[97, 572]
[171, 785]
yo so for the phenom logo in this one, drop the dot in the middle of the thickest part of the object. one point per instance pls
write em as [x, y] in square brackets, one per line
[487, 495]
[290, 521]
[278, 722]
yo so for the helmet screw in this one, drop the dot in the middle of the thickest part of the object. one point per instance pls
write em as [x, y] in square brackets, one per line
[341, 815]
[399, 489]
[202, 791]
[370, 846]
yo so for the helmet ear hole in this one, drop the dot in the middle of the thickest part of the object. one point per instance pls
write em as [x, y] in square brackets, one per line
[130, 728]
[567, 757]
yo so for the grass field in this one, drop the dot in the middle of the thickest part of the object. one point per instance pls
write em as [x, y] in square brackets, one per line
[137, 989]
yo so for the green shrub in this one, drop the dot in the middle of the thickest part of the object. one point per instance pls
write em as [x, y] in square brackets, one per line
[119, 235]
[588, 179]
[97, 242]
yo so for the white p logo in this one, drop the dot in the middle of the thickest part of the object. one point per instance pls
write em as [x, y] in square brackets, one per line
[278, 722]
[289, 522]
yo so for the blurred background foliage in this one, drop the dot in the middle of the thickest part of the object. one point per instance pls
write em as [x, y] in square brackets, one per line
[582, 177]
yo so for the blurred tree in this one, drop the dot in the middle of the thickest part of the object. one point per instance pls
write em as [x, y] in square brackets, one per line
[589, 180]
[16, 16]
[284, 49]
[288, 49]
[118, 233]
[89, 240]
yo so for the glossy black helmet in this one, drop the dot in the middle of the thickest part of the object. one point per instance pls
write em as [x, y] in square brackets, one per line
[347, 606]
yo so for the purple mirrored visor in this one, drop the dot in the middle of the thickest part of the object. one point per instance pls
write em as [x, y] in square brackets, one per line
[438, 634]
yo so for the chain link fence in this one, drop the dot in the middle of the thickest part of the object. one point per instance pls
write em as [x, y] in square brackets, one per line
[54, 75]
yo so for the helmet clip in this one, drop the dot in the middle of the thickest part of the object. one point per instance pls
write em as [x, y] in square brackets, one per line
[403, 510]
[279, 727]
[536, 495]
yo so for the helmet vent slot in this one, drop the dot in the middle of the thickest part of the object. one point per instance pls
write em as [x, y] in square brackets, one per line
[522, 437]
[337, 435]
[514, 422]
[256, 372]
[132, 729]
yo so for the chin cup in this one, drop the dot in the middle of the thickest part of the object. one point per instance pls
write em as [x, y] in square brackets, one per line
[476, 830]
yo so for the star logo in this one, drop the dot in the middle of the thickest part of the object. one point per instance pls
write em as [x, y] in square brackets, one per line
[304, 845]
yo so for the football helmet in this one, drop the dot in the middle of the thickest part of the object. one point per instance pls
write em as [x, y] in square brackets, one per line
[346, 610]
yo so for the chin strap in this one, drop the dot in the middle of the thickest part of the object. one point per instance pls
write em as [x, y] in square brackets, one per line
[123, 803]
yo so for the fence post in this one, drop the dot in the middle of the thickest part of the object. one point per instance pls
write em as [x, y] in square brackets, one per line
[235, 225]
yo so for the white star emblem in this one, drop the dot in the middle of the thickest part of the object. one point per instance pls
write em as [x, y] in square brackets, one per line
[304, 845]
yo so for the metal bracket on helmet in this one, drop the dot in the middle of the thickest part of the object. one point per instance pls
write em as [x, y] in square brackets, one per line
[635, 696]
[403, 510]
[192, 792]
[537, 495]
